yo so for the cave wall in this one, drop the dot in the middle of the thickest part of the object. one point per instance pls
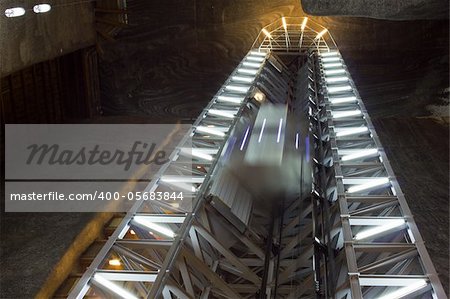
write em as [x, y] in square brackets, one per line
[379, 9]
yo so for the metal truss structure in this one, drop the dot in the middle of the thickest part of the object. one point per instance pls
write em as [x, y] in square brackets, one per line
[351, 236]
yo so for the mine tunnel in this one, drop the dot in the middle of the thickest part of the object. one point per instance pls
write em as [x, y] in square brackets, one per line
[303, 149]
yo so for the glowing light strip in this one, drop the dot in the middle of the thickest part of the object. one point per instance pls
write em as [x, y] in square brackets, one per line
[296, 141]
[262, 130]
[245, 138]
[321, 33]
[209, 131]
[201, 155]
[350, 131]
[267, 33]
[336, 79]
[342, 100]
[241, 89]
[257, 59]
[375, 183]
[153, 226]
[342, 114]
[283, 20]
[379, 229]
[360, 154]
[331, 59]
[242, 79]
[279, 130]
[113, 287]
[305, 20]
[336, 89]
[224, 113]
[14, 12]
[334, 72]
[327, 54]
[258, 53]
[228, 99]
[247, 71]
[402, 292]
[251, 64]
[331, 65]
[42, 8]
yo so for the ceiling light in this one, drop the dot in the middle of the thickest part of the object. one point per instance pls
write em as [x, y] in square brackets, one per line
[14, 12]
[41, 8]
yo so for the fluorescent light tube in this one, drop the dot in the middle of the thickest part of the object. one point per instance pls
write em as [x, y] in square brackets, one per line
[332, 65]
[366, 186]
[242, 79]
[242, 89]
[262, 130]
[347, 113]
[207, 130]
[331, 59]
[235, 100]
[258, 53]
[305, 20]
[379, 229]
[404, 291]
[251, 64]
[336, 89]
[247, 71]
[257, 59]
[328, 54]
[224, 113]
[360, 154]
[350, 131]
[334, 72]
[113, 287]
[336, 79]
[153, 226]
[342, 100]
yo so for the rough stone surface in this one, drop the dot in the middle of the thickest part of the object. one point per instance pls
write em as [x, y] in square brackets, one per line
[379, 9]
[33, 38]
